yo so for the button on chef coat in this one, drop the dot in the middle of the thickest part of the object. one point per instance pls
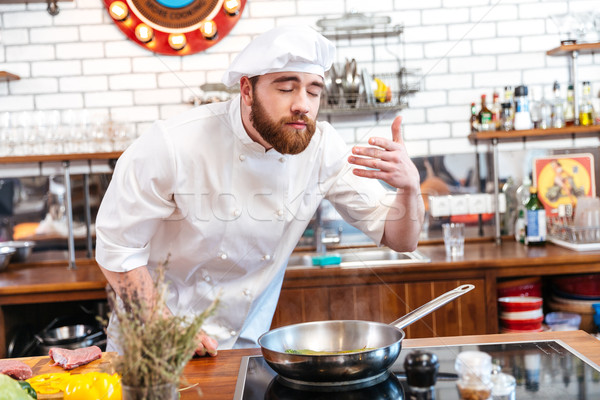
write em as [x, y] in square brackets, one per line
[173, 191]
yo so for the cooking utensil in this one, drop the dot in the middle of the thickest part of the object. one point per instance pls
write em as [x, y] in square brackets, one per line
[23, 249]
[381, 343]
[6, 253]
[333, 85]
[351, 82]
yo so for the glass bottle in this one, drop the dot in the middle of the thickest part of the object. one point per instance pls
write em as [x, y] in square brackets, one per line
[535, 109]
[496, 112]
[570, 107]
[473, 121]
[507, 122]
[558, 117]
[522, 116]
[509, 98]
[535, 232]
[545, 114]
[585, 109]
[485, 116]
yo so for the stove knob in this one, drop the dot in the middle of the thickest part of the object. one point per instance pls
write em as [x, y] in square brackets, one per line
[421, 369]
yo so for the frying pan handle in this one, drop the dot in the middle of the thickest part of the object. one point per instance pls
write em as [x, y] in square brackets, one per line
[433, 305]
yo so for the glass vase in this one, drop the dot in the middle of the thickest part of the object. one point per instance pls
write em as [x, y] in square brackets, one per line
[167, 391]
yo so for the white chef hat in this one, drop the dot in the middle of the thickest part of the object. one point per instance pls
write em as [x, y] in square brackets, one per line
[285, 48]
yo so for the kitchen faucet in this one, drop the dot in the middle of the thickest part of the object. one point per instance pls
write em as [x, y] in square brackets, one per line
[322, 236]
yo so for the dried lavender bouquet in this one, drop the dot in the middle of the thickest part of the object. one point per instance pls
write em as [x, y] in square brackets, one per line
[156, 345]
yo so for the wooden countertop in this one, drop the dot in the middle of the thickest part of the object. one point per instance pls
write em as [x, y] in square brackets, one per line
[52, 277]
[217, 376]
[506, 259]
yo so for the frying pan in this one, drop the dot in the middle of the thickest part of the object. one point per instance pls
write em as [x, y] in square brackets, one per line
[381, 344]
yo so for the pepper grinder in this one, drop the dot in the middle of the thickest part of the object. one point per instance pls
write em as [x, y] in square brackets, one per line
[421, 374]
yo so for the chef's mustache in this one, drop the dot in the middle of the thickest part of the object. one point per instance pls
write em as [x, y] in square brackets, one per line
[264, 207]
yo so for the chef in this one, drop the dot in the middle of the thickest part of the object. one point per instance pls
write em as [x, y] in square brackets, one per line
[227, 189]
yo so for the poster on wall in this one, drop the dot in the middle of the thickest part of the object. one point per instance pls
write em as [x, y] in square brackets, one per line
[561, 179]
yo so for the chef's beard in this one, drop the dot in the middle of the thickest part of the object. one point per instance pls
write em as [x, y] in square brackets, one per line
[282, 137]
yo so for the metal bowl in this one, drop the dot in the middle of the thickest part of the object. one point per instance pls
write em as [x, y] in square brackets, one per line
[24, 248]
[6, 252]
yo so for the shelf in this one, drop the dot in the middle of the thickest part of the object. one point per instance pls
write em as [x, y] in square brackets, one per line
[537, 134]
[60, 157]
[384, 32]
[582, 48]
[7, 76]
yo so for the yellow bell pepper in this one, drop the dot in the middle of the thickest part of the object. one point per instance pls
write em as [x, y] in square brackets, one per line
[87, 386]
[49, 383]
[93, 386]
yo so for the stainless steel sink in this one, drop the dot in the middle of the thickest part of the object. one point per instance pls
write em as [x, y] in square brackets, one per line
[359, 258]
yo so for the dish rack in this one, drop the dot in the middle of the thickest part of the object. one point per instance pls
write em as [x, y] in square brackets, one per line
[370, 74]
[580, 238]
[400, 84]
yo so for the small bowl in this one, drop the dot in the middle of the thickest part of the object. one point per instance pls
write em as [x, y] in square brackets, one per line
[582, 286]
[563, 321]
[520, 303]
[24, 248]
[523, 315]
[522, 325]
[6, 253]
[521, 287]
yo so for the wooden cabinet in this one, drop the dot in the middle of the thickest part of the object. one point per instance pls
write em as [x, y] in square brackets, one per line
[386, 302]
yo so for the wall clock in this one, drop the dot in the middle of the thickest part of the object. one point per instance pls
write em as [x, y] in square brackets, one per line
[175, 27]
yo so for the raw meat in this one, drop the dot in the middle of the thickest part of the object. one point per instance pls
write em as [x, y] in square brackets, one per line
[69, 359]
[15, 369]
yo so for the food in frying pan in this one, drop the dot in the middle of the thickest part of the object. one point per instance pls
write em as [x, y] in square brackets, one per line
[306, 352]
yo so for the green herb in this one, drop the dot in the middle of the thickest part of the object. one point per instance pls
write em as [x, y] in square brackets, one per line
[155, 344]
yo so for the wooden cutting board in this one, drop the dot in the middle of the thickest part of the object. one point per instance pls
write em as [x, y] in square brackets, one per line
[43, 365]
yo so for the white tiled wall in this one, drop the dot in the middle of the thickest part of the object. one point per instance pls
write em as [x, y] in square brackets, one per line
[464, 48]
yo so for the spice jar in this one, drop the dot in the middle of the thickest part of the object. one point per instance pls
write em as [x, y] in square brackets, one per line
[474, 375]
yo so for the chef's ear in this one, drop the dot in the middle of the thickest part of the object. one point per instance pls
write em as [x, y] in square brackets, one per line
[246, 90]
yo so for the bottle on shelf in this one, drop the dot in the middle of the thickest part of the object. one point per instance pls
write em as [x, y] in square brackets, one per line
[485, 116]
[535, 108]
[570, 107]
[510, 99]
[585, 109]
[535, 231]
[506, 120]
[473, 120]
[496, 111]
[558, 117]
[522, 116]
[545, 114]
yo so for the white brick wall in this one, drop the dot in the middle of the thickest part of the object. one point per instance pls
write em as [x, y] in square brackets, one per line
[464, 48]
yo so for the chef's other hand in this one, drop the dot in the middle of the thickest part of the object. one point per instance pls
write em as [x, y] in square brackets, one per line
[388, 159]
[205, 345]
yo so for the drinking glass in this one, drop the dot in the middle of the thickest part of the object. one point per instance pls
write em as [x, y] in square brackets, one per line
[454, 239]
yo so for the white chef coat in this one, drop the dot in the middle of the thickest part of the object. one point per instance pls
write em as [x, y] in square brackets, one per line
[228, 212]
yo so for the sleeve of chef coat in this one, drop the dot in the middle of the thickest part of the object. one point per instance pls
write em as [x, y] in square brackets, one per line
[139, 197]
[363, 203]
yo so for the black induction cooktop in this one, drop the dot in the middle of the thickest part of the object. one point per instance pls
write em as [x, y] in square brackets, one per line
[544, 370]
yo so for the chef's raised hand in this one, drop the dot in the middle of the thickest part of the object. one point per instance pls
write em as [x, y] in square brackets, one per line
[205, 345]
[388, 161]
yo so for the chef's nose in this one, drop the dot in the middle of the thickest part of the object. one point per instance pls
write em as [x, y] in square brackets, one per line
[301, 103]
